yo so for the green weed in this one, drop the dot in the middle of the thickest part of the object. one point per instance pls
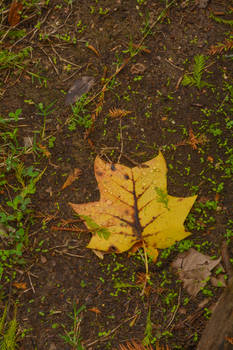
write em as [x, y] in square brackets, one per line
[10, 59]
[73, 337]
[148, 331]
[44, 111]
[194, 79]
[221, 20]
[15, 214]
[8, 331]
[81, 116]
[162, 197]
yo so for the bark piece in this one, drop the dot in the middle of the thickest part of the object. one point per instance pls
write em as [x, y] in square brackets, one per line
[219, 329]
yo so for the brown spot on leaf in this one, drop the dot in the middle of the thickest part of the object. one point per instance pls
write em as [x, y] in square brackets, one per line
[112, 249]
[126, 176]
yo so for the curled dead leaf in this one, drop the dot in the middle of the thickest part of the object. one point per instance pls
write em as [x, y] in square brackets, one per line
[80, 87]
[230, 340]
[74, 175]
[137, 68]
[14, 13]
[44, 150]
[98, 253]
[20, 285]
[92, 48]
[95, 310]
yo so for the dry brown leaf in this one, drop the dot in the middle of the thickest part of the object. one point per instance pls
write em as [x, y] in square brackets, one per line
[220, 47]
[133, 321]
[95, 310]
[194, 269]
[20, 285]
[230, 340]
[44, 150]
[74, 175]
[210, 159]
[135, 248]
[134, 346]
[118, 113]
[141, 48]
[193, 140]
[92, 48]
[14, 13]
[98, 253]
[218, 281]
[80, 87]
[141, 277]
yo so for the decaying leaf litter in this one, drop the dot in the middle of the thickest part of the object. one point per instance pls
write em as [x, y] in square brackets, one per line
[137, 62]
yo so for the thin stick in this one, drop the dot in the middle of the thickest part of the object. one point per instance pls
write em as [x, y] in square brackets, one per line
[69, 254]
[147, 270]
[29, 277]
[122, 145]
[51, 61]
[175, 312]
[112, 331]
[63, 59]
[173, 65]
[226, 259]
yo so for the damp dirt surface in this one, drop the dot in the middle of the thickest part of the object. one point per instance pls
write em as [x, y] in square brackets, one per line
[137, 53]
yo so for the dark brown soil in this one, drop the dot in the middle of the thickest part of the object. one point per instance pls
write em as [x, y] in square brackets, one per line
[60, 271]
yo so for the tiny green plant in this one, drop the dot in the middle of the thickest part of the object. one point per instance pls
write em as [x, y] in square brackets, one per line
[148, 331]
[15, 210]
[218, 19]
[80, 116]
[9, 59]
[45, 111]
[101, 231]
[73, 336]
[195, 78]
[162, 197]
[8, 331]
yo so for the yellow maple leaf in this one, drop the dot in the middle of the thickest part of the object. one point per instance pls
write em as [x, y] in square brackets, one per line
[134, 208]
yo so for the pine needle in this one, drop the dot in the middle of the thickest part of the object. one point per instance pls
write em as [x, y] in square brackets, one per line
[134, 346]
[118, 113]
[220, 47]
